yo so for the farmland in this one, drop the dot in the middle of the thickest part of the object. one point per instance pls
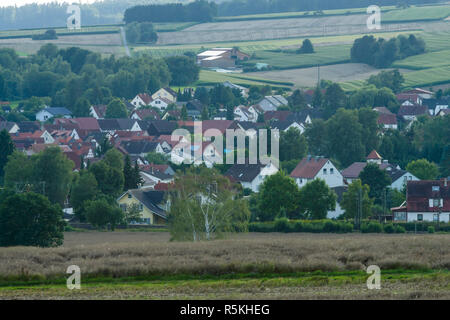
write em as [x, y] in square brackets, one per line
[283, 266]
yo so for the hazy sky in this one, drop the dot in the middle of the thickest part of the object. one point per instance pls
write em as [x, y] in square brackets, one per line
[5, 3]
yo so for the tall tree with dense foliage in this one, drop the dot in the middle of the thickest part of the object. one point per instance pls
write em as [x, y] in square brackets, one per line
[444, 165]
[84, 188]
[103, 213]
[307, 47]
[6, 149]
[391, 79]
[30, 219]
[334, 98]
[423, 169]
[357, 196]
[293, 145]
[278, 191]
[116, 109]
[377, 179]
[316, 198]
[183, 70]
[110, 179]
[204, 206]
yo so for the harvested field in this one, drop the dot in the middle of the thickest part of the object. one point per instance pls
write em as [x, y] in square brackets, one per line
[307, 77]
[146, 265]
[276, 29]
[148, 253]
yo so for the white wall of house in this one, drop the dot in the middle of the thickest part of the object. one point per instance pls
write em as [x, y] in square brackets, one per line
[43, 115]
[428, 216]
[138, 102]
[401, 182]
[162, 93]
[332, 214]
[160, 104]
[329, 173]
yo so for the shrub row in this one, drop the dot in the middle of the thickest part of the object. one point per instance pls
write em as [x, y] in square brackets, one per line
[331, 226]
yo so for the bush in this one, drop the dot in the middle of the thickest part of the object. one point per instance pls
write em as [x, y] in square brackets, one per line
[282, 225]
[399, 229]
[389, 228]
[372, 227]
[430, 229]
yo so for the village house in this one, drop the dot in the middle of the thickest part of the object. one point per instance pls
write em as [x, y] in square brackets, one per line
[151, 204]
[244, 91]
[436, 105]
[243, 113]
[386, 118]
[10, 127]
[49, 113]
[271, 103]
[338, 210]
[98, 111]
[221, 58]
[165, 93]
[311, 168]
[145, 114]
[412, 112]
[427, 200]
[141, 100]
[251, 176]
[160, 103]
[398, 176]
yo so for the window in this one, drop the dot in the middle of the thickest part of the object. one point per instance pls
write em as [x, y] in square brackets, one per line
[420, 217]
[123, 206]
[331, 171]
[141, 207]
[435, 202]
[324, 171]
[435, 217]
[435, 188]
[129, 196]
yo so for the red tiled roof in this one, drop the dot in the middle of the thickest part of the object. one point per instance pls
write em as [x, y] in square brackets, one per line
[279, 115]
[353, 171]
[308, 167]
[385, 118]
[100, 110]
[145, 113]
[221, 125]
[374, 156]
[414, 110]
[145, 97]
[419, 193]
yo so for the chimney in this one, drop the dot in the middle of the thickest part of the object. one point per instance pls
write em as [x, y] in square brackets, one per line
[445, 182]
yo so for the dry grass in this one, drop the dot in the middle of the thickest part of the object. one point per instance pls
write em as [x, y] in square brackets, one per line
[133, 254]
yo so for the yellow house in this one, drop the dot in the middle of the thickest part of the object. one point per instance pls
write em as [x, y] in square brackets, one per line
[150, 202]
[166, 93]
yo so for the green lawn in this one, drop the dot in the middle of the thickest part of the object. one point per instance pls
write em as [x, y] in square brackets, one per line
[424, 61]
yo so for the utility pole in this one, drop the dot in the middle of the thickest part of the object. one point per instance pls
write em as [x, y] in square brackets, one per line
[318, 76]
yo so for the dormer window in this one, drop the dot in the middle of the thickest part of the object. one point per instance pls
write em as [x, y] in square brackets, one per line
[435, 188]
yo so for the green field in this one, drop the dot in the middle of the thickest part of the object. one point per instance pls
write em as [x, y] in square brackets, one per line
[417, 14]
[290, 60]
[211, 77]
[424, 61]
[298, 14]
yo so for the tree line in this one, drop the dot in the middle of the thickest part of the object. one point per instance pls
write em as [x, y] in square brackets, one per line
[199, 11]
[76, 78]
[381, 53]
[243, 7]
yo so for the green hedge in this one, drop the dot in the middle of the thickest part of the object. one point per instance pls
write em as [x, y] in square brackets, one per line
[337, 226]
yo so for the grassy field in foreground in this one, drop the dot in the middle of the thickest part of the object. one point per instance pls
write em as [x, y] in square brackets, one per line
[146, 265]
[394, 285]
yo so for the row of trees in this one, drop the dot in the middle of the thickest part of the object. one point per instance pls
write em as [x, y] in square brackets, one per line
[76, 78]
[382, 53]
[140, 33]
[241, 7]
[199, 10]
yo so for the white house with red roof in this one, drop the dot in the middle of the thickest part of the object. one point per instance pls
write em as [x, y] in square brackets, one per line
[161, 103]
[141, 100]
[311, 168]
[165, 93]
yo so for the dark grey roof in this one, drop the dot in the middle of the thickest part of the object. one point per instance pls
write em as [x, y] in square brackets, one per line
[151, 199]
[158, 174]
[159, 127]
[58, 111]
[143, 124]
[29, 126]
[246, 125]
[300, 116]
[244, 172]
[281, 125]
[340, 192]
[7, 125]
[125, 124]
[138, 146]
[194, 105]
[108, 124]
